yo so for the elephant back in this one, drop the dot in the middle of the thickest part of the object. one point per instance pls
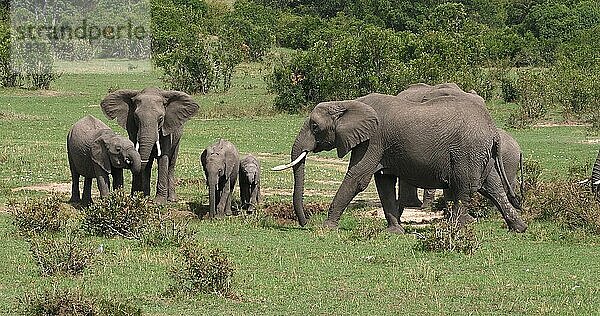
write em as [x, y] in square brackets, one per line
[80, 141]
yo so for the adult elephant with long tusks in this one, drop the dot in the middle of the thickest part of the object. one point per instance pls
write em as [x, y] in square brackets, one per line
[448, 142]
[154, 121]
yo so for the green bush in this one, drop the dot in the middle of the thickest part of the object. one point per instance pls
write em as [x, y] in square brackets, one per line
[40, 215]
[446, 236]
[167, 230]
[535, 98]
[201, 270]
[61, 254]
[72, 302]
[120, 214]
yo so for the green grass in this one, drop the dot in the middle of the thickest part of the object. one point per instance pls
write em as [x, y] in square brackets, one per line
[284, 269]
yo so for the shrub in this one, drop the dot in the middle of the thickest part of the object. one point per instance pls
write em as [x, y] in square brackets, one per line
[534, 98]
[56, 255]
[167, 230]
[566, 202]
[202, 270]
[446, 236]
[39, 215]
[73, 302]
[120, 214]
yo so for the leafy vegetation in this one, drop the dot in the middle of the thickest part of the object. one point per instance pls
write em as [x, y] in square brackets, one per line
[265, 263]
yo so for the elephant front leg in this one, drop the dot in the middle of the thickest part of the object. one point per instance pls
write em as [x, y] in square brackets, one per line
[224, 197]
[163, 178]
[254, 196]
[387, 195]
[117, 175]
[87, 191]
[103, 181]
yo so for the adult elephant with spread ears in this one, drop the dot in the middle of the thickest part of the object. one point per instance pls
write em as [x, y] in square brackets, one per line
[448, 142]
[154, 121]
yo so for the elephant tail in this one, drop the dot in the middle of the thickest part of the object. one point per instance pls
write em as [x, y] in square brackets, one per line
[522, 184]
[596, 175]
[510, 193]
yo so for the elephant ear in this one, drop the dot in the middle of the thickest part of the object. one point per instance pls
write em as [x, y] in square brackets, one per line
[355, 123]
[180, 107]
[119, 105]
[100, 155]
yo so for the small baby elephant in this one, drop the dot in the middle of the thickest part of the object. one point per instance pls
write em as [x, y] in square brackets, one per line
[221, 163]
[95, 151]
[249, 183]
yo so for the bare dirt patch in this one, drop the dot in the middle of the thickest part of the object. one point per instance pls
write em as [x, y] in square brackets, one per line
[561, 124]
[47, 187]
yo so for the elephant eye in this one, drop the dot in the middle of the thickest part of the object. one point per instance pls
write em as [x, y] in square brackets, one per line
[314, 127]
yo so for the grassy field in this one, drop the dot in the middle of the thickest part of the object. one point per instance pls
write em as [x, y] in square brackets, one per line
[281, 268]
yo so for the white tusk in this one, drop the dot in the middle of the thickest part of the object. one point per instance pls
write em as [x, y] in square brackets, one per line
[584, 181]
[158, 148]
[291, 164]
[137, 146]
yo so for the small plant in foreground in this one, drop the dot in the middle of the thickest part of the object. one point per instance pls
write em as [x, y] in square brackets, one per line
[448, 236]
[202, 271]
[567, 202]
[56, 254]
[39, 215]
[366, 230]
[166, 230]
[120, 214]
[72, 302]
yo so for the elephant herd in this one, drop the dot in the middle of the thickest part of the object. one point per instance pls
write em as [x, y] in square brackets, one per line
[153, 119]
[432, 137]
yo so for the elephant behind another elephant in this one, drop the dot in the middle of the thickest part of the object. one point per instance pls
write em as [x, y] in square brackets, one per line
[249, 183]
[387, 136]
[95, 151]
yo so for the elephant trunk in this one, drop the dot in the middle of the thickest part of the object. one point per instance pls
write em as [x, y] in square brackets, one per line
[304, 142]
[135, 161]
[596, 175]
[147, 137]
[212, 199]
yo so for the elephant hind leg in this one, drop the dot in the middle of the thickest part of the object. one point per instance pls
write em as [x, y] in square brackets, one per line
[386, 188]
[493, 190]
[458, 211]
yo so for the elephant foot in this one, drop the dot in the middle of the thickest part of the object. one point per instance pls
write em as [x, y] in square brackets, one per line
[250, 210]
[172, 197]
[395, 229]
[517, 226]
[160, 200]
[330, 224]
[74, 200]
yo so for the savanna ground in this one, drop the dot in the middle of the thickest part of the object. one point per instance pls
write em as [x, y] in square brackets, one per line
[280, 267]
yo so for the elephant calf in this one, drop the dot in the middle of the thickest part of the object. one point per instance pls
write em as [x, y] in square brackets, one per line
[95, 151]
[221, 163]
[249, 183]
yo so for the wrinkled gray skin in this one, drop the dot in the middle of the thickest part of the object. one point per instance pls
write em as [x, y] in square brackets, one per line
[95, 151]
[512, 158]
[221, 163]
[152, 116]
[596, 176]
[449, 141]
[249, 183]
